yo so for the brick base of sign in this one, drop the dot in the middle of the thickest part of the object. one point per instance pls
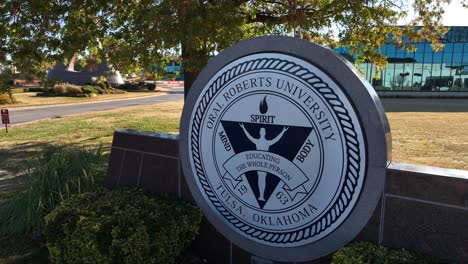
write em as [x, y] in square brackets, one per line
[423, 209]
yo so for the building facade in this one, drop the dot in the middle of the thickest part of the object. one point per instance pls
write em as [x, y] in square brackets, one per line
[423, 70]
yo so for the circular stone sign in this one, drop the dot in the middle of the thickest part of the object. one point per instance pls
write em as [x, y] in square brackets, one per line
[284, 147]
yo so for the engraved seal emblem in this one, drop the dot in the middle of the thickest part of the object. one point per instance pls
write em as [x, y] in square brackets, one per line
[275, 151]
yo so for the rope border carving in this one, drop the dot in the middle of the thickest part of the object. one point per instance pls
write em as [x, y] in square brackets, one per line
[352, 150]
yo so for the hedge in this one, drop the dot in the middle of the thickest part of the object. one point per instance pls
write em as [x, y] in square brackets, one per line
[89, 89]
[367, 253]
[121, 226]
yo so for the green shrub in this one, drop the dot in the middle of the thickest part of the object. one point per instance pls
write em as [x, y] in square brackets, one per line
[101, 78]
[123, 86]
[129, 86]
[62, 89]
[59, 89]
[367, 253]
[50, 82]
[88, 89]
[46, 92]
[7, 99]
[18, 90]
[151, 86]
[115, 91]
[67, 90]
[101, 84]
[134, 86]
[6, 95]
[120, 226]
[99, 89]
[34, 89]
[54, 176]
[73, 90]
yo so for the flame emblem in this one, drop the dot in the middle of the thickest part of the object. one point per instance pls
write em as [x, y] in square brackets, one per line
[263, 106]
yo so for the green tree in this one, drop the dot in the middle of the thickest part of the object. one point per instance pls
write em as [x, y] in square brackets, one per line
[140, 32]
[6, 82]
[34, 33]
[363, 26]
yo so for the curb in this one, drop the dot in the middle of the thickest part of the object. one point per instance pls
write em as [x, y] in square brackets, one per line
[67, 104]
[69, 115]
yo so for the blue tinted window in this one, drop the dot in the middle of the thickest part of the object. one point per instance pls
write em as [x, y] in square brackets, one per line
[437, 58]
[420, 48]
[400, 51]
[457, 59]
[427, 48]
[410, 55]
[422, 63]
[383, 49]
[465, 59]
[448, 48]
[418, 57]
[400, 55]
[427, 57]
[390, 50]
[447, 58]
[458, 47]
[339, 50]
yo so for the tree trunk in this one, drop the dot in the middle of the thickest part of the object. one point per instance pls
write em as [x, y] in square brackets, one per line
[189, 78]
[71, 62]
[190, 58]
[193, 59]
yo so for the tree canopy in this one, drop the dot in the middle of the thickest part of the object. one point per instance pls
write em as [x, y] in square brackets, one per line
[139, 33]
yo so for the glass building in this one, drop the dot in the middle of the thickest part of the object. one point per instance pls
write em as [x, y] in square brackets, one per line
[424, 69]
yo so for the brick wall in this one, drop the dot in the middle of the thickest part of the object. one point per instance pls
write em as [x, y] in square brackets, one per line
[423, 208]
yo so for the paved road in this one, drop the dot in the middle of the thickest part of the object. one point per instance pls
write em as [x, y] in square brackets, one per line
[18, 116]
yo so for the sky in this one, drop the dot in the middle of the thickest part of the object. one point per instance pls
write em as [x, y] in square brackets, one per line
[455, 15]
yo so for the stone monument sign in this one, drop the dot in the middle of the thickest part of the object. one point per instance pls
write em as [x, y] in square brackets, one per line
[284, 146]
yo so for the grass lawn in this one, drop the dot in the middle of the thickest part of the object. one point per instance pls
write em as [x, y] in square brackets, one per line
[88, 129]
[433, 139]
[430, 138]
[22, 143]
[30, 99]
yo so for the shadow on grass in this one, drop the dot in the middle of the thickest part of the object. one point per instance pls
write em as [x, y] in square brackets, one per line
[22, 250]
[19, 249]
[15, 158]
[18, 158]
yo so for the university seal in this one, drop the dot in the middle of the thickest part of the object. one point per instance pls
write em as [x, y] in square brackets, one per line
[274, 151]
